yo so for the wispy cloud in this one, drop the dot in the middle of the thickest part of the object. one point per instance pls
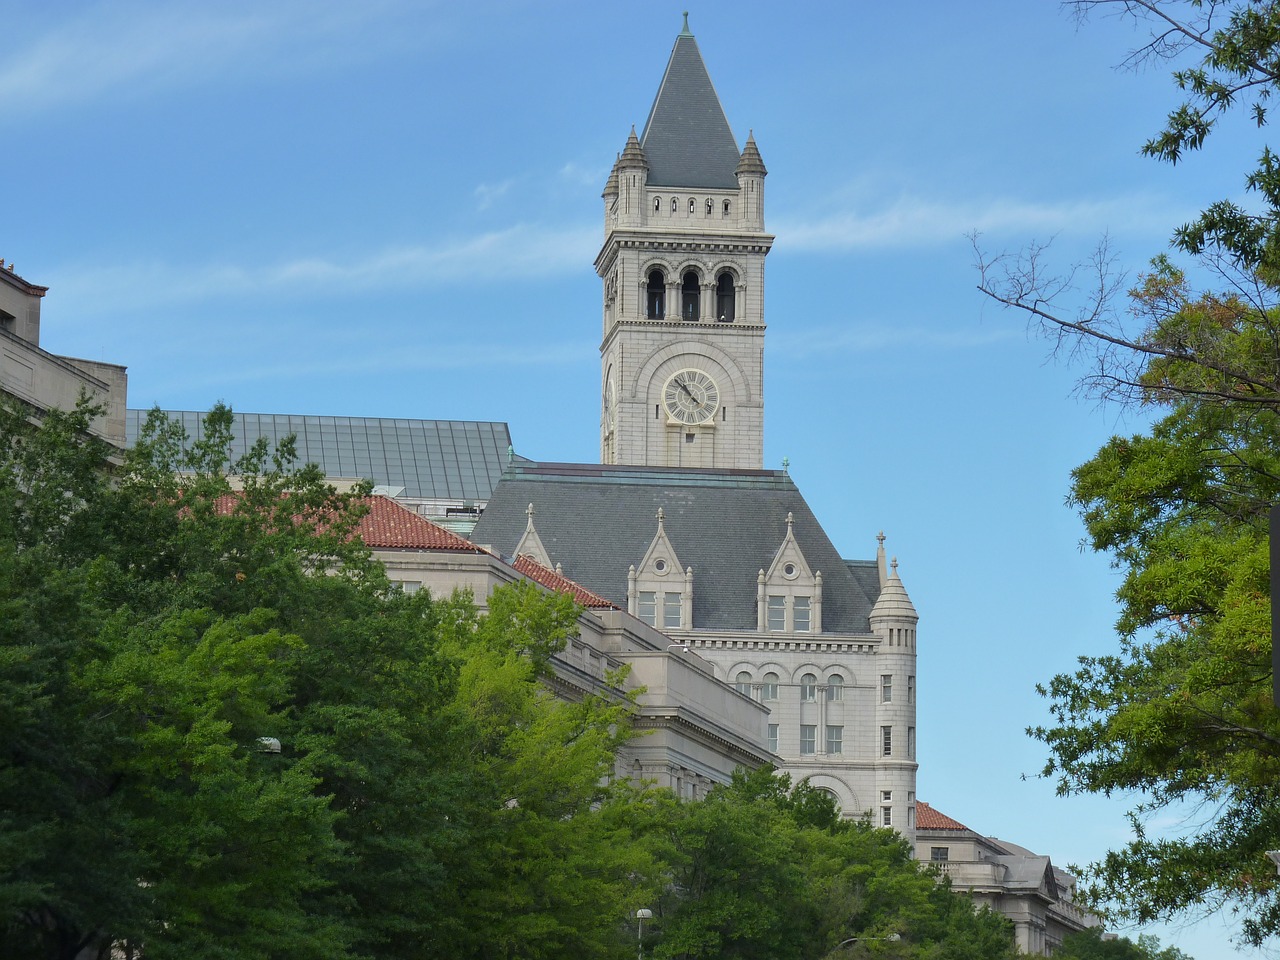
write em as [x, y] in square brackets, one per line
[120, 48]
[487, 194]
[913, 221]
[522, 251]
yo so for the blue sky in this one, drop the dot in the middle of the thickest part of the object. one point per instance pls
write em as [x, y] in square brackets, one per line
[390, 208]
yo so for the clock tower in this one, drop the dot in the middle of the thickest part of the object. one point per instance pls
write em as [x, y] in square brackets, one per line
[682, 355]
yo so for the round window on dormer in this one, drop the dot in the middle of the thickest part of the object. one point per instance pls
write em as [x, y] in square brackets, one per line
[790, 571]
[660, 565]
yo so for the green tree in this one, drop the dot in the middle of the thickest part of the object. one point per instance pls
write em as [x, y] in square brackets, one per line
[155, 626]
[1181, 716]
[1090, 945]
[764, 868]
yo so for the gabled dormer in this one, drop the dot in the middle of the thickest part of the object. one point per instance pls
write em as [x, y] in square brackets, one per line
[789, 593]
[659, 589]
[530, 544]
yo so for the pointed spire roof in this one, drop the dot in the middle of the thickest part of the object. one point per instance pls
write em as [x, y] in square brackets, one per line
[751, 161]
[632, 154]
[893, 600]
[687, 138]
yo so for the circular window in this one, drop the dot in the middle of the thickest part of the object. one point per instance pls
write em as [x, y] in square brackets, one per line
[660, 565]
[789, 570]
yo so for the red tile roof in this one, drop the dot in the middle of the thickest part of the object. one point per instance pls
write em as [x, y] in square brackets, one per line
[560, 583]
[388, 525]
[928, 818]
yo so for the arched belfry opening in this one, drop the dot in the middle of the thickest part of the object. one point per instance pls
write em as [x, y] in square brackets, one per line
[689, 295]
[656, 298]
[726, 301]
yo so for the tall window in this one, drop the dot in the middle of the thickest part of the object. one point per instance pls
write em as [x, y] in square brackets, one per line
[835, 687]
[648, 608]
[835, 739]
[671, 609]
[886, 741]
[911, 743]
[742, 683]
[689, 294]
[769, 689]
[773, 738]
[911, 689]
[808, 738]
[800, 616]
[809, 687]
[656, 299]
[886, 816]
[777, 614]
[725, 304]
[886, 688]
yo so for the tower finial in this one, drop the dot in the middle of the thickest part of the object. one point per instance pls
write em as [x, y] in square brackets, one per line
[685, 32]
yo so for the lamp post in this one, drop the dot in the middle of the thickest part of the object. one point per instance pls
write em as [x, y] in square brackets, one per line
[643, 914]
[891, 938]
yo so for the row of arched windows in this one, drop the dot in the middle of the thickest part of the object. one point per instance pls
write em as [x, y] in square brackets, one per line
[690, 296]
[709, 206]
[767, 687]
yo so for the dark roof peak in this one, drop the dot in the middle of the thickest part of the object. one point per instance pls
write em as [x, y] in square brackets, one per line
[687, 138]
[751, 161]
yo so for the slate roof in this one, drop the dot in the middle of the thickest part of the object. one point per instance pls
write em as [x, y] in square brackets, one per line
[596, 521]
[687, 139]
[430, 459]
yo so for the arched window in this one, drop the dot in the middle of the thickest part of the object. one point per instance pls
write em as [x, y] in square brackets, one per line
[656, 299]
[693, 205]
[725, 299]
[726, 209]
[675, 204]
[709, 206]
[769, 689]
[742, 683]
[809, 687]
[689, 296]
[835, 687]
[657, 204]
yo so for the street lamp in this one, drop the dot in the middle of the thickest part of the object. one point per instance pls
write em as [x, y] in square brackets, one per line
[891, 938]
[643, 914]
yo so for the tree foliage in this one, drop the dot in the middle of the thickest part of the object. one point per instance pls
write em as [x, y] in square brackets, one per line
[1090, 945]
[1181, 716]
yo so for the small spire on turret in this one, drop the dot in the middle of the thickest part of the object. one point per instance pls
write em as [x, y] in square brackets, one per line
[751, 162]
[880, 567]
[633, 153]
[611, 185]
[685, 31]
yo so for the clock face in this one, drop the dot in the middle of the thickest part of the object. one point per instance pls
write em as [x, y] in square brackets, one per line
[610, 406]
[690, 397]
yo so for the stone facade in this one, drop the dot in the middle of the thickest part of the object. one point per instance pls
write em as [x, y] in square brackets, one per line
[1037, 897]
[44, 381]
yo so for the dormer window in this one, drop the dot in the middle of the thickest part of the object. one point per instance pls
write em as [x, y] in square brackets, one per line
[658, 591]
[777, 618]
[789, 593]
